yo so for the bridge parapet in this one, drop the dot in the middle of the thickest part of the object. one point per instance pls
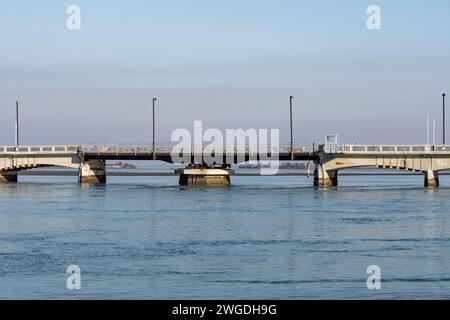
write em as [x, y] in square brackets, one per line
[384, 149]
[39, 149]
[114, 149]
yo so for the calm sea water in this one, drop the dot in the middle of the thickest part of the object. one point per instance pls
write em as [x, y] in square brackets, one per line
[261, 238]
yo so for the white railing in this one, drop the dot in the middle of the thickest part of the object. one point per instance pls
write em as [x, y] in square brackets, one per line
[40, 149]
[307, 148]
[384, 148]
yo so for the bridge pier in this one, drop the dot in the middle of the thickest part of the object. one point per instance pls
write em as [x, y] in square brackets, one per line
[191, 176]
[92, 171]
[8, 176]
[325, 178]
[431, 179]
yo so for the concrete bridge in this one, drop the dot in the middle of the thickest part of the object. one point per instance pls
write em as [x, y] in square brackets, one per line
[429, 159]
[90, 161]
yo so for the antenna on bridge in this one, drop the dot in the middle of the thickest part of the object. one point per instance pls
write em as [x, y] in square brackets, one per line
[153, 143]
[292, 139]
[17, 123]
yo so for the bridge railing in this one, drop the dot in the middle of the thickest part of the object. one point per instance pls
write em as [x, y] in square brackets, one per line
[122, 149]
[40, 149]
[117, 149]
[383, 148]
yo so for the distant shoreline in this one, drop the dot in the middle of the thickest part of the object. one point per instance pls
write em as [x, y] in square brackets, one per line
[120, 165]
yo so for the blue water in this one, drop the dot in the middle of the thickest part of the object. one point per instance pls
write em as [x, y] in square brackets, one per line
[261, 238]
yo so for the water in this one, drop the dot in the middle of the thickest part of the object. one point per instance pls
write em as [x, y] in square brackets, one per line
[261, 238]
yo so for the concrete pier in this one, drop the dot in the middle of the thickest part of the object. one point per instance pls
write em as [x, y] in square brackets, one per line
[92, 171]
[8, 176]
[431, 179]
[325, 178]
[204, 176]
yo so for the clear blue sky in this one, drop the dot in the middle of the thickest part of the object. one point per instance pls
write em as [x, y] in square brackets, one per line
[229, 63]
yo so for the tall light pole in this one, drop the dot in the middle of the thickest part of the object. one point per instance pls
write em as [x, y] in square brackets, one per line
[292, 139]
[443, 118]
[153, 144]
[17, 123]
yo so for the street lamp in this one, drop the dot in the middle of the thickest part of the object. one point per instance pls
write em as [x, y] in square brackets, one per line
[443, 118]
[153, 144]
[290, 113]
[17, 123]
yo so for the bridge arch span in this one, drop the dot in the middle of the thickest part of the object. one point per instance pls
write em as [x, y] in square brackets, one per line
[428, 162]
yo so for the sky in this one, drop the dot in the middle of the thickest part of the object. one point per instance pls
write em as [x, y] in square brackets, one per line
[231, 64]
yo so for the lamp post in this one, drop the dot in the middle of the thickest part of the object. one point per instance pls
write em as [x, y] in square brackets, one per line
[153, 144]
[443, 118]
[17, 123]
[290, 113]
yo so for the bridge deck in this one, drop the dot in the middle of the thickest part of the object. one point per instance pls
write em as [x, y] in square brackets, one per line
[165, 154]
[167, 157]
[308, 152]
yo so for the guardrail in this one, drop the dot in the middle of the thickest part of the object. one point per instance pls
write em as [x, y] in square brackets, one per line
[114, 149]
[383, 148]
[40, 149]
[307, 148]
[117, 149]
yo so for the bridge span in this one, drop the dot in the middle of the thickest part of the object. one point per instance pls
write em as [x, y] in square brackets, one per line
[428, 159]
[214, 167]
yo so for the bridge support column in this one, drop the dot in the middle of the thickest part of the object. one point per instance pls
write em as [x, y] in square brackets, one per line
[325, 178]
[191, 176]
[431, 179]
[92, 171]
[8, 176]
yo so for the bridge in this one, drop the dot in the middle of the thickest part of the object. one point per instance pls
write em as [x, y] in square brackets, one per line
[202, 168]
[214, 167]
[428, 159]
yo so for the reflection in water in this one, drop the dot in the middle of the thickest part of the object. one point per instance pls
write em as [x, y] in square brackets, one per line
[262, 237]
